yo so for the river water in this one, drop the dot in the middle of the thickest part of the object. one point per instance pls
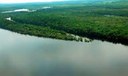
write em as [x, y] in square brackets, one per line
[24, 55]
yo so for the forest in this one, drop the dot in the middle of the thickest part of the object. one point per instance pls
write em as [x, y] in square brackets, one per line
[107, 21]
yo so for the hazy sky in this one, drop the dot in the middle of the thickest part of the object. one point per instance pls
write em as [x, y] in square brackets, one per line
[23, 1]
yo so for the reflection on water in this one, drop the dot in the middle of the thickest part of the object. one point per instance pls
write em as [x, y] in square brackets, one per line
[22, 55]
[17, 10]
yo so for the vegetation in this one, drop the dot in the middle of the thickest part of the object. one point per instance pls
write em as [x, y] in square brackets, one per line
[105, 21]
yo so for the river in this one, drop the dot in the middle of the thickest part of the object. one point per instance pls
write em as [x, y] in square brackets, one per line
[24, 55]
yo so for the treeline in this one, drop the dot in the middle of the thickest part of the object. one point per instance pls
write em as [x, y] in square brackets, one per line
[35, 30]
[99, 21]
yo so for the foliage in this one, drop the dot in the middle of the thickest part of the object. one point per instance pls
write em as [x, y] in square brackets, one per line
[105, 21]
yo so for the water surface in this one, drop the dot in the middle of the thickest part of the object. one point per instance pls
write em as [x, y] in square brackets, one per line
[23, 55]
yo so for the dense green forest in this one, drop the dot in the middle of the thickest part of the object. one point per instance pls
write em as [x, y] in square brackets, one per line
[101, 20]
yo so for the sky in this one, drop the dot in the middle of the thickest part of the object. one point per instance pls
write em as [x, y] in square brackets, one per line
[24, 1]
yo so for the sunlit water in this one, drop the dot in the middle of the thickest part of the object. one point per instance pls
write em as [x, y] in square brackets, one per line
[23, 55]
[25, 10]
[17, 10]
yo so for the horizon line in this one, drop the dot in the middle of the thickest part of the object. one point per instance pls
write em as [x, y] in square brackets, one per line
[33, 2]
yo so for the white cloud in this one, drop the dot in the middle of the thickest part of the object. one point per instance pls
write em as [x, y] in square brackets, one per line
[24, 1]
